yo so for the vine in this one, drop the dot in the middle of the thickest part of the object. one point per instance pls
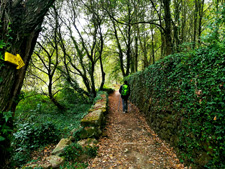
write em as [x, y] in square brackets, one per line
[5, 43]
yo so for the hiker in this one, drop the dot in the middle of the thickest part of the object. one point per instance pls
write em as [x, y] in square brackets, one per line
[125, 92]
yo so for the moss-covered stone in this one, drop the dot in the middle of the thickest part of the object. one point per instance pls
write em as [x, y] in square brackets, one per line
[93, 119]
[61, 145]
[90, 132]
[88, 145]
[55, 161]
[98, 106]
[88, 142]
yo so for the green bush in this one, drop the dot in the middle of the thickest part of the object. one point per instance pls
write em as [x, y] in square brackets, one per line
[91, 151]
[19, 158]
[31, 136]
[99, 95]
[72, 152]
[108, 90]
[34, 102]
[6, 129]
[68, 97]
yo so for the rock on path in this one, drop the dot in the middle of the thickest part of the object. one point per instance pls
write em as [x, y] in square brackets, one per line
[129, 143]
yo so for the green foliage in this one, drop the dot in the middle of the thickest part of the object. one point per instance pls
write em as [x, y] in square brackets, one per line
[68, 97]
[72, 152]
[191, 85]
[99, 95]
[91, 151]
[39, 122]
[73, 165]
[33, 102]
[216, 26]
[108, 90]
[36, 108]
[5, 127]
[32, 136]
[20, 158]
[77, 133]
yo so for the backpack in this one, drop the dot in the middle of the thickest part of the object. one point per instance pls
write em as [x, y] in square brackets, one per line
[125, 90]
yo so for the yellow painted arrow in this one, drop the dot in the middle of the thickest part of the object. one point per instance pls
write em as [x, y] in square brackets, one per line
[20, 62]
[16, 60]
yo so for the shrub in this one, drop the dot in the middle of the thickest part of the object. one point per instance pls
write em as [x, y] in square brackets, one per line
[108, 90]
[72, 152]
[99, 95]
[31, 136]
[6, 129]
[70, 97]
[91, 151]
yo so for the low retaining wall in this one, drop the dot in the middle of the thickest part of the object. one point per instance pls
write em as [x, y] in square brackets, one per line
[88, 133]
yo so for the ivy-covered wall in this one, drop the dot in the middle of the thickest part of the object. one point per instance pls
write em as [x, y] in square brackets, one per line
[183, 98]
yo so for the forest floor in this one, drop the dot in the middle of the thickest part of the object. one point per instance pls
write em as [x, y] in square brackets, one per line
[129, 143]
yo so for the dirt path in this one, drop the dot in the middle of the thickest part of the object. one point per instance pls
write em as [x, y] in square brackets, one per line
[129, 143]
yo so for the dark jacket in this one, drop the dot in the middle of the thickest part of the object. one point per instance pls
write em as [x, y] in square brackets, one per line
[124, 97]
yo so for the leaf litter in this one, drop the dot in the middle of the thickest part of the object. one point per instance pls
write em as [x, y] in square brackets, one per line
[129, 143]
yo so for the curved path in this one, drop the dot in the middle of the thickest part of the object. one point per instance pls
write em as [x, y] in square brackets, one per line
[129, 143]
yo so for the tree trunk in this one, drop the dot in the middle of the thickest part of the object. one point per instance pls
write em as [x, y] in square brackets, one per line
[183, 21]
[25, 25]
[128, 42]
[201, 13]
[119, 48]
[100, 58]
[153, 50]
[195, 23]
[176, 25]
[52, 98]
[167, 31]
[26, 19]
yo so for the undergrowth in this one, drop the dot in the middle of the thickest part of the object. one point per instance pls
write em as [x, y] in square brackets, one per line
[38, 122]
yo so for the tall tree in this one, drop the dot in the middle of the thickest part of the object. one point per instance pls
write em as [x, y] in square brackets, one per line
[24, 19]
[87, 44]
[47, 54]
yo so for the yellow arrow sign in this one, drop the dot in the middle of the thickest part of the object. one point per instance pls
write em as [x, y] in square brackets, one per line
[20, 62]
[16, 60]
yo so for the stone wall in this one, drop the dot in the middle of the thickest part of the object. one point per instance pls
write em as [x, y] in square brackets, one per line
[165, 122]
[160, 92]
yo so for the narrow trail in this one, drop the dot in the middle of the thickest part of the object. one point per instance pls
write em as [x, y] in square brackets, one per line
[129, 143]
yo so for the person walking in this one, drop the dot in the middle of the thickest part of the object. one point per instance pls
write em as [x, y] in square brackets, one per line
[125, 92]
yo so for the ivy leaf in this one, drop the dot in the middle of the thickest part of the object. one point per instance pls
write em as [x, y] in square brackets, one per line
[2, 138]
[7, 115]
[2, 44]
